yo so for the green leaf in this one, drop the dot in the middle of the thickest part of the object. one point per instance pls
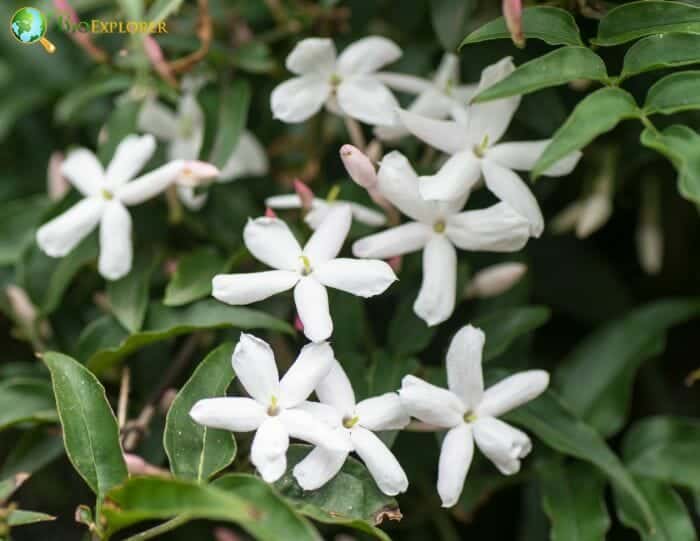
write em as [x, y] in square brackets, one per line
[556, 68]
[638, 19]
[122, 122]
[18, 222]
[573, 497]
[233, 116]
[104, 346]
[19, 517]
[18, 103]
[681, 145]
[74, 102]
[660, 52]
[408, 334]
[90, 431]
[243, 500]
[350, 499]
[598, 113]
[552, 25]
[192, 279]
[33, 451]
[162, 9]
[665, 449]
[10, 485]
[451, 19]
[133, 9]
[504, 326]
[26, 400]
[673, 522]
[128, 297]
[608, 359]
[195, 451]
[674, 93]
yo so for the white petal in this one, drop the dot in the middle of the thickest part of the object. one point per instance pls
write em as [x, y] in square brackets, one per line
[240, 289]
[381, 463]
[445, 135]
[398, 182]
[491, 119]
[318, 467]
[84, 171]
[363, 278]
[464, 376]
[311, 299]
[269, 450]
[366, 215]
[369, 101]
[254, 364]
[447, 73]
[430, 403]
[299, 98]
[190, 198]
[455, 458]
[312, 55]
[436, 299]
[149, 185]
[190, 130]
[60, 235]
[497, 228]
[456, 178]
[523, 155]
[129, 158]
[325, 413]
[336, 390]
[464, 93]
[157, 119]
[512, 392]
[510, 188]
[303, 426]
[236, 414]
[430, 103]
[328, 239]
[403, 82]
[314, 218]
[502, 444]
[311, 366]
[384, 412]
[248, 159]
[116, 251]
[286, 201]
[271, 242]
[400, 240]
[367, 55]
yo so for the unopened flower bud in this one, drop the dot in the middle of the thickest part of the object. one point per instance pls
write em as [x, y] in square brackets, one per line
[196, 173]
[513, 14]
[650, 240]
[298, 325]
[269, 213]
[567, 219]
[305, 194]
[358, 166]
[21, 305]
[57, 184]
[395, 263]
[595, 213]
[494, 280]
[224, 534]
[138, 466]
[155, 55]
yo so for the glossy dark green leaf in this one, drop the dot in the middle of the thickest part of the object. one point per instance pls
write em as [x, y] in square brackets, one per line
[573, 497]
[195, 451]
[608, 359]
[506, 325]
[552, 69]
[350, 499]
[408, 334]
[660, 52]
[26, 400]
[233, 116]
[90, 431]
[596, 114]
[552, 25]
[451, 20]
[72, 103]
[9, 485]
[18, 222]
[674, 93]
[104, 346]
[645, 18]
[128, 297]
[20, 517]
[192, 279]
[243, 500]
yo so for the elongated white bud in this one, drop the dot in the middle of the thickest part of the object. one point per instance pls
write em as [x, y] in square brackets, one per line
[494, 280]
[649, 237]
[21, 305]
[58, 186]
[595, 213]
[358, 166]
[196, 173]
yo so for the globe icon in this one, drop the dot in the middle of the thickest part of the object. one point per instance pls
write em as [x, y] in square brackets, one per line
[28, 25]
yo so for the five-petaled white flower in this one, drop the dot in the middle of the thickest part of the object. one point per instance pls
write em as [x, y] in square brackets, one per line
[321, 207]
[107, 194]
[184, 132]
[309, 270]
[273, 409]
[355, 422]
[438, 228]
[347, 85]
[470, 413]
[471, 140]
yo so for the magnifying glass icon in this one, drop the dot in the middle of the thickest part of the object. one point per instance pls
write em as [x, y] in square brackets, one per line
[28, 25]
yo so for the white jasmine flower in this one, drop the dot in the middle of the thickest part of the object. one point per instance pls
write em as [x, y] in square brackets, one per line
[321, 207]
[469, 413]
[347, 84]
[309, 270]
[272, 411]
[471, 140]
[435, 98]
[356, 423]
[184, 132]
[107, 194]
[438, 228]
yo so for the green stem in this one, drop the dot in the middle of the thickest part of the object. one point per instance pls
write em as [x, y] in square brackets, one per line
[160, 529]
[647, 123]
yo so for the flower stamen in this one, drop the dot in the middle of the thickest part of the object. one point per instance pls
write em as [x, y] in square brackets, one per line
[439, 226]
[480, 150]
[107, 194]
[274, 408]
[349, 422]
[469, 417]
[333, 194]
[306, 270]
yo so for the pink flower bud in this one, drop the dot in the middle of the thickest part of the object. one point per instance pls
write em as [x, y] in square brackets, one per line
[269, 213]
[298, 325]
[170, 266]
[155, 55]
[138, 466]
[494, 280]
[395, 263]
[196, 173]
[513, 13]
[224, 534]
[358, 166]
[304, 193]
[58, 186]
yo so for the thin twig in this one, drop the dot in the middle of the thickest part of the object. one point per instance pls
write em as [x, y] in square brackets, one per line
[160, 529]
[355, 132]
[204, 33]
[122, 405]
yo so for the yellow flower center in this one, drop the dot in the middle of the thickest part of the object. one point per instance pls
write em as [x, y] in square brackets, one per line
[107, 194]
[469, 417]
[274, 409]
[480, 150]
[333, 194]
[306, 269]
[439, 226]
[349, 422]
